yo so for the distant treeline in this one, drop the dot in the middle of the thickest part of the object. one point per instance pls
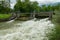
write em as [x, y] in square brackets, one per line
[28, 6]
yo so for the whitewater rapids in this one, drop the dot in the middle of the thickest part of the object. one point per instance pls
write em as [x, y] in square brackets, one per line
[29, 30]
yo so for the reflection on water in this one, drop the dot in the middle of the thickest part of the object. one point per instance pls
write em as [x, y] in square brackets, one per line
[29, 30]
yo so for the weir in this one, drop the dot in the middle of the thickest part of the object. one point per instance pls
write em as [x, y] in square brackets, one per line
[40, 15]
[44, 15]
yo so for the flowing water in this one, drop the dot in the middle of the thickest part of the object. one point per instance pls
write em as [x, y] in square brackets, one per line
[28, 30]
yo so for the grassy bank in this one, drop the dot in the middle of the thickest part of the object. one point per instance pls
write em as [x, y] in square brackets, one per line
[56, 21]
[4, 16]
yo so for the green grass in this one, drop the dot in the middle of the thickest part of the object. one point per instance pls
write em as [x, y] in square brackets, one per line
[56, 21]
[57, 32]
[4, 16]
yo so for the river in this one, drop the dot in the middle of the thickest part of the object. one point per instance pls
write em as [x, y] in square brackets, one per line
[28, 30]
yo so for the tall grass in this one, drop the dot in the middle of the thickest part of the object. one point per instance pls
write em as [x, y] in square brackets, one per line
[56, 21]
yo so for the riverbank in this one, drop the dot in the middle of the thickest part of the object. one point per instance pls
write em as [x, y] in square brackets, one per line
[56, 21]
[4, 17]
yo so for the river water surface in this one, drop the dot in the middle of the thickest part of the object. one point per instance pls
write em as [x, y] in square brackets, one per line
[28, 30]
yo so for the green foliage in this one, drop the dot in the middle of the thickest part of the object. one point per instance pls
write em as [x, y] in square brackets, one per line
[56, 17]
[4, 16]
[57, 32]
[1, 8]
[56, 21]
[26, 6]
[4, 9]
[47, 8]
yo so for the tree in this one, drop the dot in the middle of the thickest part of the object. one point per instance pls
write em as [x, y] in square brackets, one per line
[4, 9]
[44, 8]
[50, 8]
[26, 6]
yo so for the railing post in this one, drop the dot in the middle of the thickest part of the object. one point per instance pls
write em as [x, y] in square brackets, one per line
[50, 16]
[34, 14]
[31, 15]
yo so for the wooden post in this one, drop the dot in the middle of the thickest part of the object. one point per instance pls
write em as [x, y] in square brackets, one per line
[18, 14]
[31, 15]
[50, 16]
[34, 14]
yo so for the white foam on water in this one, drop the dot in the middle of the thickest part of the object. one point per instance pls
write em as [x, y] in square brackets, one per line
[10, 21]
[29, 30]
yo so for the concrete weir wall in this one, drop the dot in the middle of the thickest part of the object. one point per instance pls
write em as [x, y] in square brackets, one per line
[43, 15]
[32, 15]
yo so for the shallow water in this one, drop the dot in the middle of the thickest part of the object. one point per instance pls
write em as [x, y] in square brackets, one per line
[29, 30]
